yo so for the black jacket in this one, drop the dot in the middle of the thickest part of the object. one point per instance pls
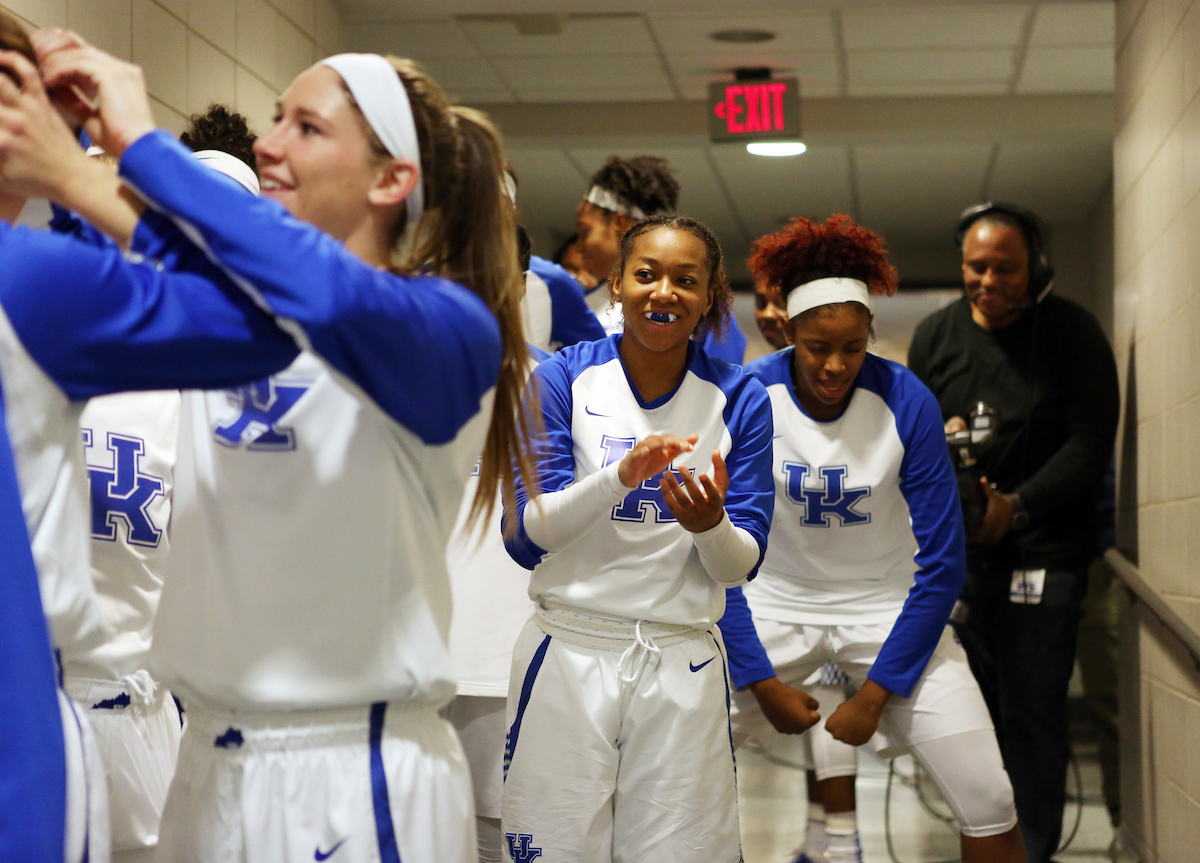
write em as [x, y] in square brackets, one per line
[1052, 380]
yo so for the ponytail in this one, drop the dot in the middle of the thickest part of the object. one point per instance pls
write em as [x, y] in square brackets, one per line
[468, 233]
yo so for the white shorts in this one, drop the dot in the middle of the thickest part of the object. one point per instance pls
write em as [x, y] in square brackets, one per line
[605, 768]
[139, 742]
[479, 721]
[87, 836]
[945, 701]
[376, 784]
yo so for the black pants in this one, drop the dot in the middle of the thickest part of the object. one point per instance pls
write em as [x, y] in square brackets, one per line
[1022, 655]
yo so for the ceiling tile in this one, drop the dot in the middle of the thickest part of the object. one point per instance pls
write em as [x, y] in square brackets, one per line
[1068, 70]
[661, 93]
[607, 73]
[591, 36]
[928, 88]
[416, 39]
[818, 73]
[794, 33]
[1073, 24]
[912, 193]
[983, 26]
[1060, 181]
[944, 65]
[769, 191]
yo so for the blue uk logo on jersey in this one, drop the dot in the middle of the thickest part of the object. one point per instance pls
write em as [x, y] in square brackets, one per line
[646, 499]
[260, 407]
[518, 848]
[831, 497]
[124, 493]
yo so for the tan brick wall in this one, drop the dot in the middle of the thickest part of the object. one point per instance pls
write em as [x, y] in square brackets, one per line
[238, 52]
[1156, 193]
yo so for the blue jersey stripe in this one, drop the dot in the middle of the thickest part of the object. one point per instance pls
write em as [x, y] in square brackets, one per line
[728, 699]
[385, 830]
[531, 673]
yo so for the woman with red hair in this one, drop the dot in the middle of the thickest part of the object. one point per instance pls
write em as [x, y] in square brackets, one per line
[866, 555]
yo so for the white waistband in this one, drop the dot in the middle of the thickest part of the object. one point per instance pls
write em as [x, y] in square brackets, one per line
[134, 693]
[261, 732]
[608, 633]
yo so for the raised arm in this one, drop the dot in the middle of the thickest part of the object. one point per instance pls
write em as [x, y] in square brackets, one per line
[97, 323]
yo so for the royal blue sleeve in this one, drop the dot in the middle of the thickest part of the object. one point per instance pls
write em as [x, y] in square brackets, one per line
[748, 662]
[571, 321]
[33, 787]
[425, 349]
[928, 485]
[553, 452]
[731, 346]
[63, 221]
[97, 323]
[750, 501]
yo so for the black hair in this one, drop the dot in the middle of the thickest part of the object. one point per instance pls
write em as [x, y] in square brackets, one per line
[219, 128]
[645, 182]
[561, 251]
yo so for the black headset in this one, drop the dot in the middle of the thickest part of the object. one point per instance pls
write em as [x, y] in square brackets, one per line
[1041, 274]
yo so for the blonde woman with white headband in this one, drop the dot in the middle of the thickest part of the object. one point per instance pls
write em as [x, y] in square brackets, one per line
[304, 621]
[866, 554]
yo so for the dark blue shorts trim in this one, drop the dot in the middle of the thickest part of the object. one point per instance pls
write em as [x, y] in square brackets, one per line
[385, 830]
[531, 673]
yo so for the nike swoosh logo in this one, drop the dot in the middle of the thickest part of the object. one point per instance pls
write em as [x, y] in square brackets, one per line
[701, 665]
[777, 437]
[589, 411]
[319, 856]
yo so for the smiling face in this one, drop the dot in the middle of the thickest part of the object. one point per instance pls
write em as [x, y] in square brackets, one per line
[831, 344]
[317, 160]
[995, 272]
[664, 290]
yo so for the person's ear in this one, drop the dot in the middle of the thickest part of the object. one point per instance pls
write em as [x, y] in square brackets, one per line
[395, 182]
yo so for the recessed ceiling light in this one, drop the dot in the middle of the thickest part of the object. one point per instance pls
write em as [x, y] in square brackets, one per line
[775, 148]
[742, 37]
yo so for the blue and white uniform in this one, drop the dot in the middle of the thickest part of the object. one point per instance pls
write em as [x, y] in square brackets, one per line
[79, 322]
[304, 623]
[618, 745]
[555, 312]
[865, 562]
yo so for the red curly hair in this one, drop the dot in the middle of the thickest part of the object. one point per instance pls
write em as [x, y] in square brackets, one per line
[804, 251]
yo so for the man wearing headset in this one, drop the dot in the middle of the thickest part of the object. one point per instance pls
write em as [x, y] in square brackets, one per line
[1033, 377]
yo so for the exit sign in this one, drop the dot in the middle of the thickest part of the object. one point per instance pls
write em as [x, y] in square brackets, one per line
[754, 110]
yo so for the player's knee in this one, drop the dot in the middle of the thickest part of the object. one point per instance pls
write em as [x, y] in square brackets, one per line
[987, 807]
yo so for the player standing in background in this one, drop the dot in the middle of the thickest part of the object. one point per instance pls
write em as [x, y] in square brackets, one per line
[130, 446]
[863, 485]
[305, 619]
[623, 192]
[553, 309]
[618, 745]
[569, 256]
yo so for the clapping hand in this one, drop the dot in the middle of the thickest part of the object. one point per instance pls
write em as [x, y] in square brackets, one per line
[698, 503]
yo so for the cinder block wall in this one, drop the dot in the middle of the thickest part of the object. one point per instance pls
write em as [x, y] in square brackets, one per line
[238, 52]
[1156, 193]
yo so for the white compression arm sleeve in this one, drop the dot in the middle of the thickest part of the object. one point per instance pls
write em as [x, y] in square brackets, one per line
[555, 520]
[728, 552]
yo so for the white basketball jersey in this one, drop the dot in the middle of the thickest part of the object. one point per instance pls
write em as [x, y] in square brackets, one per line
[847, 492]
[129, 442]
[309, 535]
[536, 311]
[639, 562]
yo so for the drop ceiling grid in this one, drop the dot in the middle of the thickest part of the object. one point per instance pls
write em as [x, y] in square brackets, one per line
[965, 49]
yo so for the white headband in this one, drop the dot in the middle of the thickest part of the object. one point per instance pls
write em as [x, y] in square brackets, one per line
[384, 103]
[230, 166]
[606, 200]
[508, 184]
[822, 292]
